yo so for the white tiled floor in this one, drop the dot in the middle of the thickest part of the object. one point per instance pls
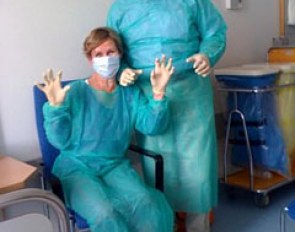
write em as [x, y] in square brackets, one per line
[242, 215]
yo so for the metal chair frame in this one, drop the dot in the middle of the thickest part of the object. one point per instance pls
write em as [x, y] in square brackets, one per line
[36, 195]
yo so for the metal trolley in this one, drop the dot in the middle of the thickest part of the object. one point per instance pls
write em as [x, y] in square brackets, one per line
[244, 178]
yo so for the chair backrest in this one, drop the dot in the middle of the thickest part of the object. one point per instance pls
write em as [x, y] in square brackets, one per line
[48, 152]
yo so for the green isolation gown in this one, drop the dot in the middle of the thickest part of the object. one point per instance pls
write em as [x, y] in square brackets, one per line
[92, 129]
[178, 29]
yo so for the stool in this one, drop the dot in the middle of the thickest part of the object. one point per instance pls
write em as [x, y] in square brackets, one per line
[13, 175]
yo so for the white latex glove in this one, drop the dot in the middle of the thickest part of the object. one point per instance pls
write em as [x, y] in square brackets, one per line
[52, 88]
[160, 76]
[129, 76]
[201, 64]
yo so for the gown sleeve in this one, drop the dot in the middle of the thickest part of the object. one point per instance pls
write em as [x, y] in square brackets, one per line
[58, 124]
[151, 116]
[112, 22]
[212, 28]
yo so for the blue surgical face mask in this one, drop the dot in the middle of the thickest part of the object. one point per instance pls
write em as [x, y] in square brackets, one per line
[106, 66]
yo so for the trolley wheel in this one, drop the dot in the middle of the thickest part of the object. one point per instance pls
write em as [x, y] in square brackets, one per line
[261, 200]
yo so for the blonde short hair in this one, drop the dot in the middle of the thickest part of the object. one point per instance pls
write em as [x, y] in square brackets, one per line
[98, 36]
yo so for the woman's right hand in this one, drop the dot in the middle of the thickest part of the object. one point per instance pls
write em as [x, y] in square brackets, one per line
[52, 88]
[128, 76]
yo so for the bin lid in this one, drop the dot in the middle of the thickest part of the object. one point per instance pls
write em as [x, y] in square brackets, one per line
[283, 67]
[246, 71]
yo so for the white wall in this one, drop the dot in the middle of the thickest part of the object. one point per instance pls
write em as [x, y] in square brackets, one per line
[38, 34]
[250, 30]
[250, 33]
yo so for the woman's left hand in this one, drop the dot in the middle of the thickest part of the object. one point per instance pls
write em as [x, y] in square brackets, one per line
[201, 64]
[161, 75]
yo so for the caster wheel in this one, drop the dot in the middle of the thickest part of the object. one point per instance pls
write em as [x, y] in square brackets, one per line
[230, 192]
[261, 200]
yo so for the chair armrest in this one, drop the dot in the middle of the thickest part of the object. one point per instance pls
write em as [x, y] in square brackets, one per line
[159, 164]
[56, 187]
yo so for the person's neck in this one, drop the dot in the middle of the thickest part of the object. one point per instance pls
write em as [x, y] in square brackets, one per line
[101, 84]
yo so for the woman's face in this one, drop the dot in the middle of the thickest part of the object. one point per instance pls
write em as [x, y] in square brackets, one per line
[107, 48]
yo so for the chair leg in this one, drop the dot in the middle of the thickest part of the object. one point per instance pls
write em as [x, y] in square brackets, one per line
[283, 219]
[211, 217]
[72, 223]
[180, 222]
[45, 206]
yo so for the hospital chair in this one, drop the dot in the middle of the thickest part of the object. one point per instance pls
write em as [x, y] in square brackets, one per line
[32, 195]
[49, 153]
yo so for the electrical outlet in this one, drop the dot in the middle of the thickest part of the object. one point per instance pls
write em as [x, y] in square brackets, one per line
[233, 4]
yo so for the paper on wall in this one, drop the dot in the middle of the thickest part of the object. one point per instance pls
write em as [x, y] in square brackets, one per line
[291, 12]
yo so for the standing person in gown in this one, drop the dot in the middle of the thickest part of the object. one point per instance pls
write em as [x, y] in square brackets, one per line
[193, 33]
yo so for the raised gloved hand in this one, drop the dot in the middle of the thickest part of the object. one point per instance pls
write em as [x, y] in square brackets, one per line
[201, 64]
[128, 76]
[52, 88]
[160, 76]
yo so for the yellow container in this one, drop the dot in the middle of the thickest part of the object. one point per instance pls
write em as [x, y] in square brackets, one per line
[281, 55]
[286, 109]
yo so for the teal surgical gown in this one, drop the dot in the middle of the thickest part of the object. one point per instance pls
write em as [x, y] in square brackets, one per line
[92, 129]
[178, 29]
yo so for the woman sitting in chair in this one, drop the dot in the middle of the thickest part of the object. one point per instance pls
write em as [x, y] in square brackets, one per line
[91, 123]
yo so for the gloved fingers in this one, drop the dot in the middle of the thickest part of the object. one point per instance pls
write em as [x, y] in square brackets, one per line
[171, 71]
[126, 82]
[129, 76]
[132, 74]
[204, 72]
[197, 63]
[137, 71]
[59, 75]
[201, 66]
[50, 75]
[128, 72]
[163, 61]
[127, 79]
[169, 64]
[190, 59]
[46, 78]
[153, 75]
[157, 64]
[123, 82]
[161, 66]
